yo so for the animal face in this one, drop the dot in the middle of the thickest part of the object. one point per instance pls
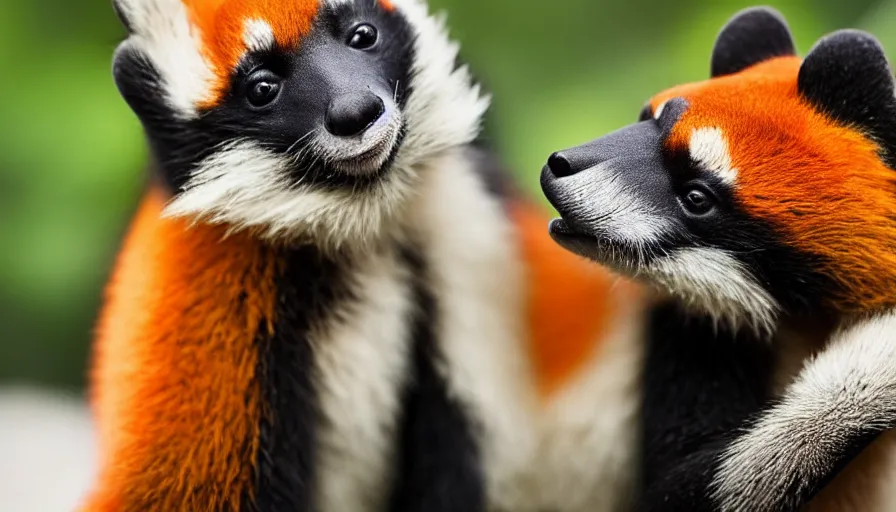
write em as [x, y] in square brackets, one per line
[768, 189]
[294, 117]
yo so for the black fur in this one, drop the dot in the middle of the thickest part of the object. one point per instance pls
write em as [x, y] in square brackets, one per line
[439, 467]
[323, 64]
[639, 165]
[175, 146]
[795, 279]
[646, 113]
[661, 175]
[699, 387]
[846, 76]
[752, 36]
[490, 169]
[308, 288]
[703, 388]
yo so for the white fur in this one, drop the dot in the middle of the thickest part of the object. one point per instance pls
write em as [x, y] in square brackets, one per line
[163, 33]
[246, 186]
[575, 452]
[659, 110]
[587, 459]
[716, 282]
[609, 207]
[349, 154]
[258, 36]
[848, 387]
[710, 150]
[476, 273]
[445, 110]
[362, 365]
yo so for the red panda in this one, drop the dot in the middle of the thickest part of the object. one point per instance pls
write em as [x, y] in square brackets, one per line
[331, 298]
[764, 200]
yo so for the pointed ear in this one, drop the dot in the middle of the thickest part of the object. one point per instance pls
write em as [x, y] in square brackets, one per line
[750, 37]
[846, 76]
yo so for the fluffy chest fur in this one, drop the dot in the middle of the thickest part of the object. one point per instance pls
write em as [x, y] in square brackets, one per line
[450, 325]
[362, 363]
[378, 323]
[570, 447]
[587, 457]
[363, 373]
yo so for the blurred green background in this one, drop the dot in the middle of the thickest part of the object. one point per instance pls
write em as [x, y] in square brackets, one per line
[72, 155]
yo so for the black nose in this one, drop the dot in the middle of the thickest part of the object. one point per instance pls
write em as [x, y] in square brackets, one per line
[559, 164]
[351, 114]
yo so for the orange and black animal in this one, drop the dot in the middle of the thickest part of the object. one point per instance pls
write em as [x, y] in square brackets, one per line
[764, 201]
[330, 298]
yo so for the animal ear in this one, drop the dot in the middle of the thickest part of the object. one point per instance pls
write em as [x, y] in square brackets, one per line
[847, 77]
[161, 64]
[750, 37]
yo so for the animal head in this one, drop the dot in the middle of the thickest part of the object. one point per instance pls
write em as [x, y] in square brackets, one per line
[767, 190]
[294, 118]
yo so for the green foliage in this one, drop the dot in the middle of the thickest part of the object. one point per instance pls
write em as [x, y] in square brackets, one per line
[72, 155]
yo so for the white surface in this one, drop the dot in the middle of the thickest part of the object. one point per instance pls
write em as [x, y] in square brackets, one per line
[47, 455]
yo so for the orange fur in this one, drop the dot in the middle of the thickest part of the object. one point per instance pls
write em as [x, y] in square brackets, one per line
[175, 394]
[821, 184]
[221, 24]
[174, 385]
[569, 308]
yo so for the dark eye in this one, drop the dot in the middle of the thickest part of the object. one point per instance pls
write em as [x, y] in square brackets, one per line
[263, 88]
[697, 201]
[363, 37]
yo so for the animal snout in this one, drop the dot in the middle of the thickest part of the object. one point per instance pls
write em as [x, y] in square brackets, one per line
[560, 165]
[351, 114]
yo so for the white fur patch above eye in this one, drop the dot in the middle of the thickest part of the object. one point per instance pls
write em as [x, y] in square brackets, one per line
[717, 283]
[709, 149]
[258, 36]
[659, 110]
[246, 186]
